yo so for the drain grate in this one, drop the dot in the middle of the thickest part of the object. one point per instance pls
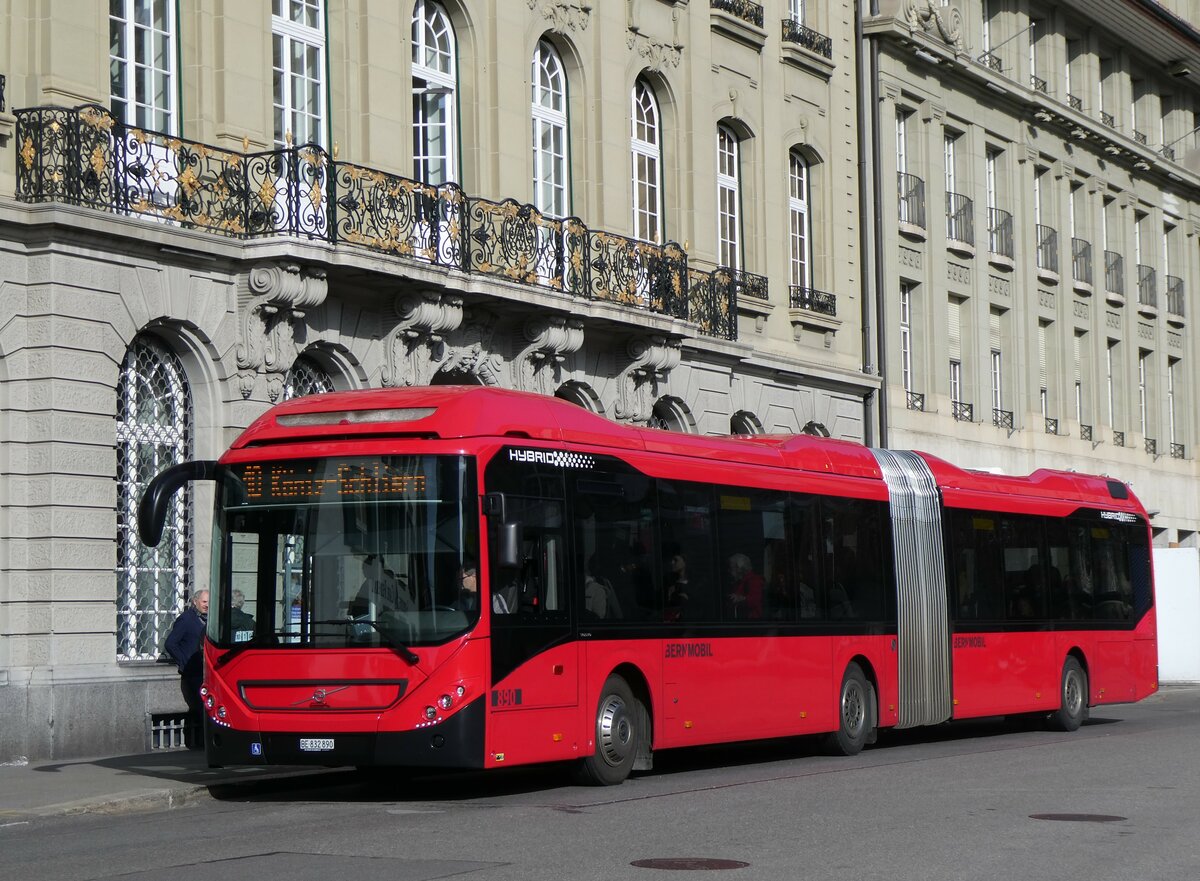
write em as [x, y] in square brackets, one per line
[1079, 818]
[689, 864]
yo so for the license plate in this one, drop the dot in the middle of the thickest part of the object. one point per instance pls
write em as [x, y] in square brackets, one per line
[316, 744]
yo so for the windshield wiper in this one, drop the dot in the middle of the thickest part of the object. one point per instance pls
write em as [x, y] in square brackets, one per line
[400, 648]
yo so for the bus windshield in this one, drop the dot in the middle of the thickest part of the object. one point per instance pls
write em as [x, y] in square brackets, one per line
[348, 552]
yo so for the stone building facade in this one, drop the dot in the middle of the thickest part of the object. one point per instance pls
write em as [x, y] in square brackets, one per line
[1040, 216]
[646, 207]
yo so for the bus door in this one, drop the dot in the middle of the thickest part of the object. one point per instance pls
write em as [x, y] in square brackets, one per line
[534, 684]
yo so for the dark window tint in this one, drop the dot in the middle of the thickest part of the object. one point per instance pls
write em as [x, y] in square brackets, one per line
[751, 550]
[857, 572]
[690, 593]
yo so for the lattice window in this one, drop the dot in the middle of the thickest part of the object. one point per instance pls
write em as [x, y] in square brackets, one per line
[305, 378]
[154, 431]
[645, 146]
[549, 112]
[435, 92]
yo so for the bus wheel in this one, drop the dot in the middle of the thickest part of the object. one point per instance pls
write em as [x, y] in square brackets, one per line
[1073, 707]
[856, 714]
[617, 736]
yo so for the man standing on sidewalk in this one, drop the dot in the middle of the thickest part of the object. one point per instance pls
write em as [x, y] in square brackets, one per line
[184, 646]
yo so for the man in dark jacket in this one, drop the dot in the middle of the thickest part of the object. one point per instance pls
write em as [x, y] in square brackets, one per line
[184, 645]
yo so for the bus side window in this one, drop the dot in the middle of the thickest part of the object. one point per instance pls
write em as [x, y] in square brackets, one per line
[536, 586]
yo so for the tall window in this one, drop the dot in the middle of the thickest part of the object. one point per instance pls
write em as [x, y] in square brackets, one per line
[906, 339]
[1043, 391]
[990, 162]
[1110, 370]
[1143, 402]
[729, 220]
[902, 141]
[298, 66]
[645, 147]
[154, 431]
[435, 90]
[141, 63]
[986, 15]
[549, 113]
[997, 362]
[954, 334]
[1077, 366]
[950, 147]
[1172, 364]
[796, 10]
[799, 222]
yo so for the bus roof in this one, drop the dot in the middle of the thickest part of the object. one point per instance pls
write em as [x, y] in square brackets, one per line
[451, 412]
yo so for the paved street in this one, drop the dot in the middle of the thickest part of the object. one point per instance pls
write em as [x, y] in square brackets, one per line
[957, 802]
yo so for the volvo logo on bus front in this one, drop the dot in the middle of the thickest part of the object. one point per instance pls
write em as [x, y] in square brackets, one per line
[318, 698]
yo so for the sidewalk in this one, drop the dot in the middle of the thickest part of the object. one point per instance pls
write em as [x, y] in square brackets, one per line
[151, 781]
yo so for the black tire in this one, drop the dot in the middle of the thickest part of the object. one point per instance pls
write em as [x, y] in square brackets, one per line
[856, 714]
[1073, 698]
[618, 736]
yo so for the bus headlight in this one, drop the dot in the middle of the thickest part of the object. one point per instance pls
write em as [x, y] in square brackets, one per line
[221, 712]
[445, 701]
[431, 713]
[460, 691]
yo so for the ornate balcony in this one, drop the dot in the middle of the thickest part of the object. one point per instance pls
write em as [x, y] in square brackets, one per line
[1038, 84]
[960, 219]
[962, 411]
[1114, 273]
[746, 284]
[1085, 432]
[915, 401]
[811, 299]
[1118, 438]
[1147, 286]
[1177, 451]
[1140, 137]
[1051, 425]
[1000, 233]
[795, 32]
[1075, 102]
[912, 200]
[1081, 262]
[1047, 249]
[1151, 445]
[747, 11]
[991, 62]
[1108, 119]
[1168, 153]
[1002, 418]
[83, 156]
[1175, 296]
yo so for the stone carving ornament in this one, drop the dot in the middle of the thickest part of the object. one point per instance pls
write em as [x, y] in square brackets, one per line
[652, 358]
[538, 367]
[930, 16]
[274, 296]
[563, 16]
[416, 343]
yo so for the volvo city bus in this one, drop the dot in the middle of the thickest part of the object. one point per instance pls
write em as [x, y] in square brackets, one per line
[466, 577]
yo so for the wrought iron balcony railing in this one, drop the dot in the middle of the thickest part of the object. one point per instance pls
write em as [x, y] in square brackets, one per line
[1177, 451]
[1118, 438]
[962, 411]
[1000, 232]
[1038, 84]
[1002, 418]
[1147, 286]
[1168, 153]
[83, 156]
[1081, 261]
[915, 401]
[795, 32]
[1140, 137]
[1175, 295]
[991, 62]
[744, 9]
[821, 302]
[1076, 102]
[960, 218]
[1114, 273]
[1085, 432]
[1108, 119]
[1051, 425]
[1151, 446]
[746, 284]
[912, 199]
[1047, 248]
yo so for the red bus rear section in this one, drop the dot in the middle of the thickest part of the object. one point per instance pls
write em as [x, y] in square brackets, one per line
[473, 578]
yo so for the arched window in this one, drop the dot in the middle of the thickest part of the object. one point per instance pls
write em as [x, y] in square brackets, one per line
[799, 223]
[729, 199]
[435, 91]
[306, 377]
[551, 184]
[646, 148]
[154, 431]
[744, 422]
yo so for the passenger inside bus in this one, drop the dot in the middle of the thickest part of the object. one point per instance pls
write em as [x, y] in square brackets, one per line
[746, 596]
[599, 597]
[381, 590]
[677, 587]
[468, 588]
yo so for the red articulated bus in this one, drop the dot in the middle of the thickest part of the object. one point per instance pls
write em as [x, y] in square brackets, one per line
[458, 577]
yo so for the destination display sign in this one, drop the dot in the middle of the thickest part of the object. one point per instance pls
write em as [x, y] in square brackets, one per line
[329, 480]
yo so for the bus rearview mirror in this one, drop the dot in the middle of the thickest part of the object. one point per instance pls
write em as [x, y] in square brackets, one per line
[510, 545]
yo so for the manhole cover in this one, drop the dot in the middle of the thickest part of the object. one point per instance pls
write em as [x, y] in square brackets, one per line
[689, 864]
[1079, 818]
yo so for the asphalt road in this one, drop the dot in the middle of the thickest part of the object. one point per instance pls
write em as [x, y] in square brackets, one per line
[1001, 799]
